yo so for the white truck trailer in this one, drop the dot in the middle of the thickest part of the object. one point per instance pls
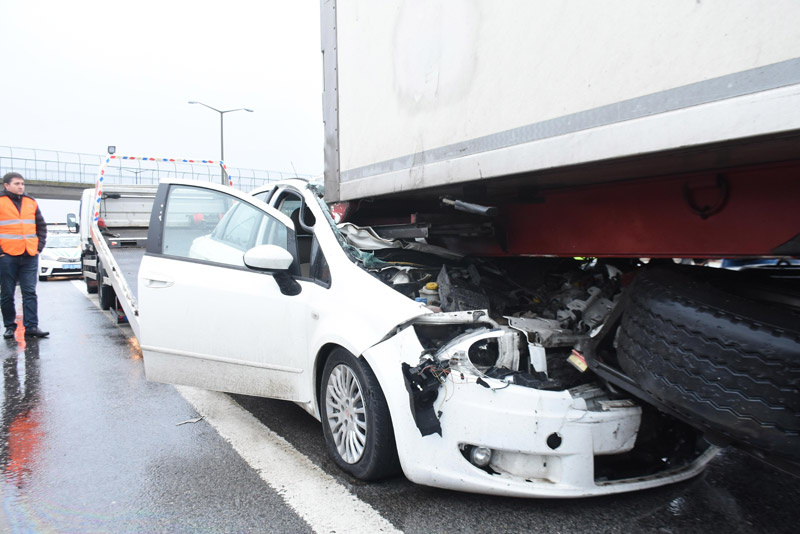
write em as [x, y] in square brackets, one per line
[633, 134]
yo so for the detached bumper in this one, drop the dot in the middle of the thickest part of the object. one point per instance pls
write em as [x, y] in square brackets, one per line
[543, 443]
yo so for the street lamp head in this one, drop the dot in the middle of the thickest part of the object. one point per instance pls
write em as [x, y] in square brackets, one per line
[222, 113]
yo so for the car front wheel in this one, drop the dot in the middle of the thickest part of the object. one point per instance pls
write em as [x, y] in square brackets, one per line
[355, 418]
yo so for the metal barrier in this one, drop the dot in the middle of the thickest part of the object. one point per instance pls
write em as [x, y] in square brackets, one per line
[73, 167]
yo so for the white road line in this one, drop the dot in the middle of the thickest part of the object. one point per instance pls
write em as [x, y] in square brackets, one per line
[80, 286]
[315, 496]
[327, 506]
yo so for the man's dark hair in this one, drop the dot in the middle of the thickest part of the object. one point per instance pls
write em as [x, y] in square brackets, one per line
[10, 176]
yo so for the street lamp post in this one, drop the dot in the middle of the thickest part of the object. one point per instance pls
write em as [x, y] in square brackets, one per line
[221, 132]
[137, 173]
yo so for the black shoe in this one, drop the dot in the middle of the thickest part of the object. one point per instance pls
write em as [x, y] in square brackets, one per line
[35, 331]
[9, 333]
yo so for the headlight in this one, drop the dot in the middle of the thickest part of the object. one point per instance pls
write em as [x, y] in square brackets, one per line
[49, 256]
[458, 350]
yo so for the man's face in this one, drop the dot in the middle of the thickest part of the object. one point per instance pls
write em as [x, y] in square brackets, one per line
[16, 186]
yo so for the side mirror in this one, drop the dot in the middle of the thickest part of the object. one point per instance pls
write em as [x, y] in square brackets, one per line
[268, 258]
[72, 223]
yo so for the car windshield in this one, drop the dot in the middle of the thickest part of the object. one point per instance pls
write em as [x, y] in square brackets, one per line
[62, 241]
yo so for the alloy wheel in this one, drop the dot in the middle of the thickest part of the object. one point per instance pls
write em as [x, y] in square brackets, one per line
[346, 413]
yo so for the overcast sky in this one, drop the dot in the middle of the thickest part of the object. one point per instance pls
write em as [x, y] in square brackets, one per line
[83, 74]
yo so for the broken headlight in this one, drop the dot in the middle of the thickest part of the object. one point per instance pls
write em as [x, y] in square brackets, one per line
[472, 352]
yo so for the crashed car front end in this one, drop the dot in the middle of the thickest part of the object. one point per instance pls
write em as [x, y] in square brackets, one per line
[514, 433]
[487, 388]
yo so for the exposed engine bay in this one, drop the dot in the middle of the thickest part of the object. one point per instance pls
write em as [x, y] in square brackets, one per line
[528, 315]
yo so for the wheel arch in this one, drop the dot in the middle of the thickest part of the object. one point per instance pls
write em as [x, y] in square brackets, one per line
[323, 354]
[372, 389]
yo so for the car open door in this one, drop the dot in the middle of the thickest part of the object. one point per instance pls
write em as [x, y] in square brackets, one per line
[209, 320]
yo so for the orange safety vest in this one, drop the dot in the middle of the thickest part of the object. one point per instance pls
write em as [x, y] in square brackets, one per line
[18, 227]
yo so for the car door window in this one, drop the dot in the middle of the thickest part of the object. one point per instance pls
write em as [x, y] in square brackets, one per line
[272, 232]
[240, 230]
[289, 204]
[190, 213]
[209, 225]
[263, 197]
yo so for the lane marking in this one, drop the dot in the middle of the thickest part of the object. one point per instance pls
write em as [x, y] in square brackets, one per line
[322, 502]
[80, 286]
[315, 496]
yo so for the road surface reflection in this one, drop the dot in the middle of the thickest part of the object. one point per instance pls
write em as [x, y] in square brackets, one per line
[21, 433]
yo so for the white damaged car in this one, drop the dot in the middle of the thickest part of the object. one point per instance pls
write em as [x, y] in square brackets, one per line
[464, 373]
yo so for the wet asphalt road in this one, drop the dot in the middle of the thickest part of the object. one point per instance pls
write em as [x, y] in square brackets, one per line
[88, 445]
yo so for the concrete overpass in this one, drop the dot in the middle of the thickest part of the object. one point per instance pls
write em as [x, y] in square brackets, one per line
[64, 175]
[56, 190]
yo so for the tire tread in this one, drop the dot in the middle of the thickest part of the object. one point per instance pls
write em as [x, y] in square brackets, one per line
[724, 363]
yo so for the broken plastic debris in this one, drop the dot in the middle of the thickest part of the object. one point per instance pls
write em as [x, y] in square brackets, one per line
[195, 420]
[607, 405]
[578, 361]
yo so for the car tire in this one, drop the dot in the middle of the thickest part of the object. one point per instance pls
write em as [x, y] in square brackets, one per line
[355, 418]
[724, 363]
[105, 294]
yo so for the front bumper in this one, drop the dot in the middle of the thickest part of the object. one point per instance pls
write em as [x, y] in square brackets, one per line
[48, 268]
[543, 443]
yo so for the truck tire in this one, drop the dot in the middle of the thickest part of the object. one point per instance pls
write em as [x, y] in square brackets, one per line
[724, 363]
[355, 418]
[104, 293]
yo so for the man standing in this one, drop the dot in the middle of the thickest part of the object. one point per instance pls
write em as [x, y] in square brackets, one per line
[23, 233]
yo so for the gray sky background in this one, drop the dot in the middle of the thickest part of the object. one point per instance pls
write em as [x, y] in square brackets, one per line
[80, 75]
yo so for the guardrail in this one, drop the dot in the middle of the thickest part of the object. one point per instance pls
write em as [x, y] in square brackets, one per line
[73, 167]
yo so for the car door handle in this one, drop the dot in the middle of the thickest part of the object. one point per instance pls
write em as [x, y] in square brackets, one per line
[156, 283]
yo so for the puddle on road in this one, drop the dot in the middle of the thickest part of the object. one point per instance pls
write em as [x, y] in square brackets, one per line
[21, 434]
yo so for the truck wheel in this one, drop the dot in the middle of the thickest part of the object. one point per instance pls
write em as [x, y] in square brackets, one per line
[355, 419]
[104, 293]
[725, 363]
